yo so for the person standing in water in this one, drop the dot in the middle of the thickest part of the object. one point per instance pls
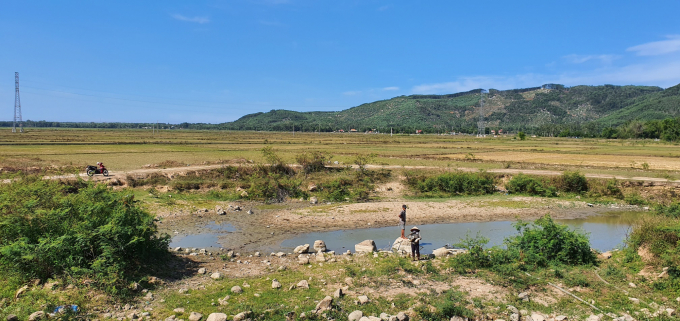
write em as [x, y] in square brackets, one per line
[402, 220]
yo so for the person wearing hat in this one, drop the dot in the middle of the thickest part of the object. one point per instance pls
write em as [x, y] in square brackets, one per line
[414, 237]
[402, 220]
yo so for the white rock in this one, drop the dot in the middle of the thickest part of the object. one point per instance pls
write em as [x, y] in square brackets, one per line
[236, 289]
[37, 315]
[363, 299]
[402, 246]
[313, 200]
[324, 305]
[537, 317]
[366, 246]
[178, 310]
[302, 285]
[201, 271]
[319, 245]
[217, 317]
[320, 257]
[195, 316]
[384, 316]
[216, 276]
[401, 316]
[355, 315]
[634, 300]
[301, 249]
[632, 285]
[523, 296]
[561, 318]
[302, 260]
[593, 317]
[242, 316]
[276, 284]
[670, 312]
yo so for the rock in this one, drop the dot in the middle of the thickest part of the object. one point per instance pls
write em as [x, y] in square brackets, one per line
[276, 284]
[457, 318]
[523, 296]
[632, 285]
[182, 290]
[302, 260]
[301, 249]
[244, 194]
[219, 211]
[149, 296]
[132, 316]
[217, 317]
[320, 257]
[670, 312]
[401, 246]
[313, 200]
[236, 289]
[401, 316]
[349, 281]
[216, 276]
[634, 300]
[242, 316]
[324, 305]
[21, 291]
[12, 317]
[366, 246]
[223, 301]
[512, 309]
[280, 254]
[250, 212]
[312, 187]
[302, 285]
[514, 317]
[593, 317]
[38, 315]
[561, 318]
[338, 293]
[319, 245]
[384, 316]
[444, 252]
[201, 271]
[195, 316]
[355, 315]
[282, 268]
[363, 299]
[537, 317]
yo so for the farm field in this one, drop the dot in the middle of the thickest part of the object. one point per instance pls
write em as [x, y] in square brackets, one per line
[125, 150]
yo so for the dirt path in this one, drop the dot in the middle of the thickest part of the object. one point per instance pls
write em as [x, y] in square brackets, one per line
[175, 170]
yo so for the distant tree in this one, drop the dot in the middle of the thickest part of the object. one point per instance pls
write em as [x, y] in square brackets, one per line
[522, 135]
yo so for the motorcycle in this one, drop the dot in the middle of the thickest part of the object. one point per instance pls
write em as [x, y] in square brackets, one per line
[91, 170]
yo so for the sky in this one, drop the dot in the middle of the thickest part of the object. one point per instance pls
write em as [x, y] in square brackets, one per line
[216, 61]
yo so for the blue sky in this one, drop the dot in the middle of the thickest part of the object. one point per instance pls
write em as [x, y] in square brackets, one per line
[215, 61]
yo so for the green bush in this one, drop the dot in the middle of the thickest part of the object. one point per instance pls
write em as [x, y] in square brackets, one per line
[635, 199]
[453, 183]
[572, 182]
[660, 235]
[525, 184]
[48, 229]
[313, 161]
[671, 210]
[544, 241]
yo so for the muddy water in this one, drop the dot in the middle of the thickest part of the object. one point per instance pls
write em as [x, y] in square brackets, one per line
[606, 232]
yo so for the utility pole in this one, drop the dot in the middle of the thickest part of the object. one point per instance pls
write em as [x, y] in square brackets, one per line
[17, 106]
[390, 131]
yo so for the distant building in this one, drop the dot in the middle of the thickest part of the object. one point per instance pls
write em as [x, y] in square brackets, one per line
[419, 131]
[341, 130]
[352, 130]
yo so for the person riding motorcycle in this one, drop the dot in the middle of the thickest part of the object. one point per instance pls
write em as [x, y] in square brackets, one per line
[101, 167]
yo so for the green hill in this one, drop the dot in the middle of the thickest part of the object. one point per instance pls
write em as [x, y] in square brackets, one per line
[508, 109]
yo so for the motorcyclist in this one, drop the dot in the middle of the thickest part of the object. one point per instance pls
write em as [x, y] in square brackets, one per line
[101, 167]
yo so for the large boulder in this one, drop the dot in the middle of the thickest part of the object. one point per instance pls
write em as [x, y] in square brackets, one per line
[366, 246]
[217, 317]
[355, 316]
[194, 316]
[319, 245]
[402, 246]
[301, 249]
[219, 210]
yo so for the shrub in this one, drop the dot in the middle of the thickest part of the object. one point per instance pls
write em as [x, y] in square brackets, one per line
[522, 136]
[544, 241]
[453, 183]
[525, 184]
[635, 199]
[313, 161]
[47, 229]
[660, 235]
[671, 210]
[572, 182]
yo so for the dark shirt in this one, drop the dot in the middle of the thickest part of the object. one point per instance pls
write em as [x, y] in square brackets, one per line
[402, 216]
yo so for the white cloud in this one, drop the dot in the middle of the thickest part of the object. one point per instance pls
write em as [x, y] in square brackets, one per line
[200, 20]
[659, 73]
[391, 88]
[656, 48]
[579, 59]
